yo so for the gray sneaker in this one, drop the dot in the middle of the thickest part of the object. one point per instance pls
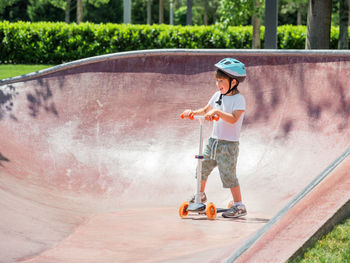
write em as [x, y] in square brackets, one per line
[203, 198]
[235, 211]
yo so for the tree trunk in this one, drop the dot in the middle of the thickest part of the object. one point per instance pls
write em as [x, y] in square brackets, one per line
[299, 12]
[343, 25]
[171, 11]
[79, 11]
[256, 44]
[149, 12]
[271, 24]
[161, 11]
[127, 11]
[318, 24]
[67, 11]
[205, 18]
[189, 13]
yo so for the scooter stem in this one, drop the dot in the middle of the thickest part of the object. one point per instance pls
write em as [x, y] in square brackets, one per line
[199, 169]
[198, 198]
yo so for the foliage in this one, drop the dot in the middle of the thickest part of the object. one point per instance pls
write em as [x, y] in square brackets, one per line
[291, 37]
[54, 43]
[180, 11]
[6, 3]
[227, 12]
[333, 247]
[288, 11]
[235, 12]
[13, 10]
[42, 10]
[107, 13]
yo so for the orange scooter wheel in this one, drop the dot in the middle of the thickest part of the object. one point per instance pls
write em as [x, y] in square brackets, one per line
[183, 209]
[211, 211]
[230, 204]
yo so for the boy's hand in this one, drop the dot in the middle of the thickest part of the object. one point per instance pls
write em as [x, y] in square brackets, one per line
[210, 115]
[187, 113]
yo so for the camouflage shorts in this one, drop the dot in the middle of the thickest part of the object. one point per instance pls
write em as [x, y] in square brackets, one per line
[224, 155]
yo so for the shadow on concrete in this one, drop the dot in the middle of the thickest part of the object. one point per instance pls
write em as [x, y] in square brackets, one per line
[3, 159]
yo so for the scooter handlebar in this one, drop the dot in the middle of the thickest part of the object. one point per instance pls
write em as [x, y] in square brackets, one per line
[192, 117]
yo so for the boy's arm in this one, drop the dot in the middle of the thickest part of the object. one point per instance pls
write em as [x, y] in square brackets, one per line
[227, 117]
[203, 110]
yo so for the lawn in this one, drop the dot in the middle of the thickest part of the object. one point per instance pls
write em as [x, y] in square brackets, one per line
[8, 71]
[333, 247]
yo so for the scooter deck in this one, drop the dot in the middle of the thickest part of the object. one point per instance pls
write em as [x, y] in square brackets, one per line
[222, 210]
[196, 207]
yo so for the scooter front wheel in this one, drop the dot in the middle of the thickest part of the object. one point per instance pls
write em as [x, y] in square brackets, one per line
[183, 209]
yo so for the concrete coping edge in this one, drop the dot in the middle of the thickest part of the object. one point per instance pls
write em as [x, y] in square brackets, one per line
[188, 52]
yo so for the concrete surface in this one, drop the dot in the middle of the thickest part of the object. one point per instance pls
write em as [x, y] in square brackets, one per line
[95, 161]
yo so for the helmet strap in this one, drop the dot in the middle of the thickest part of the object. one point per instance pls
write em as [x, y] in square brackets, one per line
[228, 92]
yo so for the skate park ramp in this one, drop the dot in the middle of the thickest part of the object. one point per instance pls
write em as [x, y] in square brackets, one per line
[95, 161]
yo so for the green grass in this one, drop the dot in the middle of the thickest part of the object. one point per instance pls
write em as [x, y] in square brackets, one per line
[8, 71]
[333, 247]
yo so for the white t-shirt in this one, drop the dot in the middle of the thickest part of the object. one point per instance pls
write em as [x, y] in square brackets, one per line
[223, 130]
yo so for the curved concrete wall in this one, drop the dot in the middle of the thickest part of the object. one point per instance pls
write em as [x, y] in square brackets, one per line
[103, 134]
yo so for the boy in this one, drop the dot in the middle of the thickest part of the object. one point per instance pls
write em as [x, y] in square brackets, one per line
[222, 147]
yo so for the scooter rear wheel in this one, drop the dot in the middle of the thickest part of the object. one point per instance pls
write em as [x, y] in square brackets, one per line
[230, 204]
[183, 209]
[211, 211]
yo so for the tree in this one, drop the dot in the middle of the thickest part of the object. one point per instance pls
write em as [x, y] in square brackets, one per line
[210, 11]
[161, 11]
[12, 10]
[292, 12]
[256, 43]
[243, 12]
[43, 10]
[343, 25]
[149, 12]
[107, 13]
[206, 7]
[6, 3]
[189, 13]
[235, 12]
[79, 11]
[318, 24]
[36, 7]
[67, 11]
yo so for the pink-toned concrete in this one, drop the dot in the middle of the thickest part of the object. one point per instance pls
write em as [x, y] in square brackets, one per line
[303, 220]
[95, 161]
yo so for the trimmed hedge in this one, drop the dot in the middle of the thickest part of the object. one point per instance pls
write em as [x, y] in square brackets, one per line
[54, 43]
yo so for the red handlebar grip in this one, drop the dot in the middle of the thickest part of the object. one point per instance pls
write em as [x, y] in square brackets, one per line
[190, 116]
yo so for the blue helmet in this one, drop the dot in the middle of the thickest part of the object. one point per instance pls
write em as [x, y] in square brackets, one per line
[233, 68]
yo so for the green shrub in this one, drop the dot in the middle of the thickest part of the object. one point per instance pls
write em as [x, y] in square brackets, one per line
[54, 43]
[291, 37]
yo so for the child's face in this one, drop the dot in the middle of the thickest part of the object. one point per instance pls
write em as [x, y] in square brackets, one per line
[222, 84]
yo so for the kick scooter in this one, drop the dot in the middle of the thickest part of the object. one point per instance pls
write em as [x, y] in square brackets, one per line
[198, 207]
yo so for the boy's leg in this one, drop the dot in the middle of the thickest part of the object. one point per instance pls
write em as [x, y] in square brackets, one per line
[236, 194]
[226, 157]
[237, 208]
[203, 183]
